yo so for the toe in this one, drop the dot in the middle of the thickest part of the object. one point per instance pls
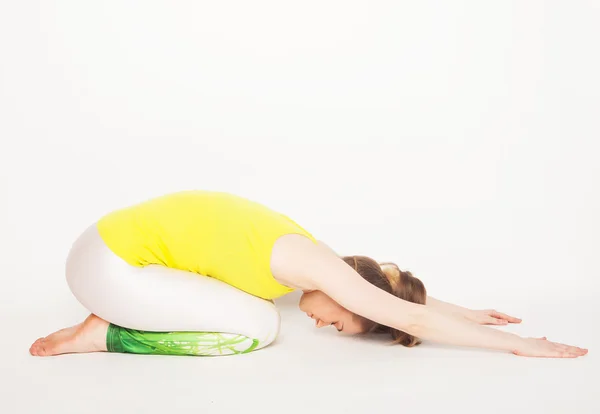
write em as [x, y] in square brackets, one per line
[34, 349]
[43, 348]
[34, 346]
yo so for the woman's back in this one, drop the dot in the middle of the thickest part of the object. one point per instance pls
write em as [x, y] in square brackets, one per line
[216, 234]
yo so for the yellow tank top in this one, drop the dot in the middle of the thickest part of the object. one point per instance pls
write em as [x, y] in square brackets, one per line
[211, 233]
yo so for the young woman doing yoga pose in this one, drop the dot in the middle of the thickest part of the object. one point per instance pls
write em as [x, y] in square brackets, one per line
[195, 272]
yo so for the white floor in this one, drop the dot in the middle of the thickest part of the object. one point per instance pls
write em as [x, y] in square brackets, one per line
[306, 370]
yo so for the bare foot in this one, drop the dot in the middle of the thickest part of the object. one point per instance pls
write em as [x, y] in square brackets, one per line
[88, 336]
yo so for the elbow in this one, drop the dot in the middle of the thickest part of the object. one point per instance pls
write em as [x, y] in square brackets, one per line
[416, 324]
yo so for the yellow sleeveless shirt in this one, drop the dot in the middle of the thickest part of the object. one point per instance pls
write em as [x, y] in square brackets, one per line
[211, 233]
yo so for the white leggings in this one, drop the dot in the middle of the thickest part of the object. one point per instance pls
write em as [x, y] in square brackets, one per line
[162, 299]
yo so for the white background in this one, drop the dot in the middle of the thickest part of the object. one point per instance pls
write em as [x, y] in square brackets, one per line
[458, 139]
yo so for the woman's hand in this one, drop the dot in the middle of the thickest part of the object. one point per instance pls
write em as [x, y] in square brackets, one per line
[490, 317]
[542, 348]
[481, 317]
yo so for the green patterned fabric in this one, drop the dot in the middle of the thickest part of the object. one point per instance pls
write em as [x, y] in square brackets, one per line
[124, 340]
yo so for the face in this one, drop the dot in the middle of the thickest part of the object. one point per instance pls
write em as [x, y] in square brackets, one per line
[327, 312]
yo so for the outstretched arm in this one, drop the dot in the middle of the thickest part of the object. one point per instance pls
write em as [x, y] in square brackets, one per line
[317, 268]
[483, 317]
[446, 306]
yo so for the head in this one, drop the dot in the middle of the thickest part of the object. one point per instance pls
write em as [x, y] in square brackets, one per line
[387, 276]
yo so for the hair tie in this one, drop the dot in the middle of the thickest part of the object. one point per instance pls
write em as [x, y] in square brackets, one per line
[392, 278]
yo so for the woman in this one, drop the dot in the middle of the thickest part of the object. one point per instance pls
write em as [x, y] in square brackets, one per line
[195, 272]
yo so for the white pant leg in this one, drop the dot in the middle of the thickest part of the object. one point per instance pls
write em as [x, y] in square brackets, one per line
[162, 299]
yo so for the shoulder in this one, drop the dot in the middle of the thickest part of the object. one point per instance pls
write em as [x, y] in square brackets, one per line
[294, 258]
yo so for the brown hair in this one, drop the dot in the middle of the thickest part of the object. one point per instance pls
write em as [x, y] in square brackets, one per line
[389, 277]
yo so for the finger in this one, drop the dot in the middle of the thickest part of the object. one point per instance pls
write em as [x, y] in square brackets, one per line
[573, 350]
[577, 350]
[550, 354]
[568, 355]
[496, 321]
[488, 320]
[556, 353]
[562, 353]
[570, 347]
[506, 317]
